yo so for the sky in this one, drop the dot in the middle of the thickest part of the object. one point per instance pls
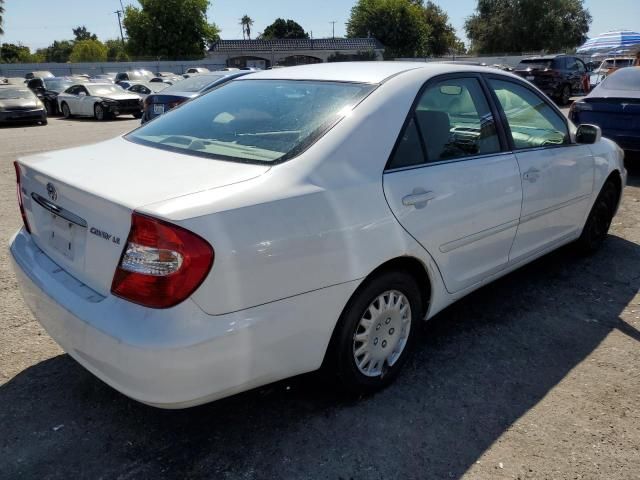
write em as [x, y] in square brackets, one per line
[36, 24]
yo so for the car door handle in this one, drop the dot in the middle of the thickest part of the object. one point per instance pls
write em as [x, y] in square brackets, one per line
[418, 199]
[531, 175]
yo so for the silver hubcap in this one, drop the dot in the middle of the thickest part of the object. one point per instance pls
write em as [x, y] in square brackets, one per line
[382, 333]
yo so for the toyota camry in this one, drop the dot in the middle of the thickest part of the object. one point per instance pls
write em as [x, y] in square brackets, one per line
[301, 218]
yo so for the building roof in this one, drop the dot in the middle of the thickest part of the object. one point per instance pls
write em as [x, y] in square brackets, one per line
[292, 44]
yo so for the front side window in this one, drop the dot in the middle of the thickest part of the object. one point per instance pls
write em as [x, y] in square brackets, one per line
[98, 90]
[452, 120]
[533, 123]
[261, 121]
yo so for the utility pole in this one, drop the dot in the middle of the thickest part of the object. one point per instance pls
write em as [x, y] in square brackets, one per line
[333, 26]
[119, 13]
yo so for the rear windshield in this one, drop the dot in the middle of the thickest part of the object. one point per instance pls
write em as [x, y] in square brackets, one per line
[7, 93]
[625, 79]
[536, 63]
[193, 84]
[256, 121]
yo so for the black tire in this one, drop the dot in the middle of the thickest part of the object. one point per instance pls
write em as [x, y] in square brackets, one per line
[597, 226]
[99, 113]
[565, 95]
[49, 108]
[341, 356]
[66, 111]
[137, 115]
[44, 121]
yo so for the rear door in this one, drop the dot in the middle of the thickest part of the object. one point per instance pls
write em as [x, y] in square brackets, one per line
[557, 175]
[450, 183]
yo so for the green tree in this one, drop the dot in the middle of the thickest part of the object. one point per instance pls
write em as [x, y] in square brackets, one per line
[169, 28]
[116, 51]
[282, 28]
[59, 51]
[501, 26]
[442, 37]
[247, 22]
[12, 53]
[81, 33]
[88, 51]
[398, 24]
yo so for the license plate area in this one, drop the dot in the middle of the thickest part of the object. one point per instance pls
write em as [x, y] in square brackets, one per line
[158, 109]
[62, 236]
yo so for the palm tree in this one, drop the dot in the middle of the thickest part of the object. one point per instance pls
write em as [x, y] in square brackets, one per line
[246, 22]
[1, 12]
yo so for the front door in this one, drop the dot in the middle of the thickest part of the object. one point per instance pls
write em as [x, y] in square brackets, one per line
[450, 184]
[557, 176]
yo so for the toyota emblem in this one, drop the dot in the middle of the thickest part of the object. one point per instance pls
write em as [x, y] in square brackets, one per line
[52, 192]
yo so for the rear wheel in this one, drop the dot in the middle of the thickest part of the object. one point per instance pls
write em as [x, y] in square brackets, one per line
[599, 221]
[565, 95]
[98, 112]
[49, 107]
[137, 115]
[375, 333]
[66, 111]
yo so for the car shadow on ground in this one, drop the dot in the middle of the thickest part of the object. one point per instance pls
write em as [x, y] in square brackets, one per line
[93, 119]
[480, 366]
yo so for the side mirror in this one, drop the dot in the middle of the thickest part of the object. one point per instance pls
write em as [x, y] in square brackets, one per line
[588, 134]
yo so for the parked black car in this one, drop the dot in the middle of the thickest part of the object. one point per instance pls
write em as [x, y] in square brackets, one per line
[19, 104]
[559, 76]
[39, 74]
[48, 89]
[171, 97]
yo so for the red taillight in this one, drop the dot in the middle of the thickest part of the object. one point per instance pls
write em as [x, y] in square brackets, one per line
[162, 264]
[19, 194]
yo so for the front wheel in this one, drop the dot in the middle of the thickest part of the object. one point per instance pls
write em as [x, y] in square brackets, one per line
[599, 221]
[375, 333]
[137, 115]
[49, 108]
[98, 112]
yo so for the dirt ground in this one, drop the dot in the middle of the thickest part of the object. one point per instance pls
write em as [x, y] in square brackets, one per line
[536, 376]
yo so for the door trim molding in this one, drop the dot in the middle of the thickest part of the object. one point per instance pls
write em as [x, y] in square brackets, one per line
[476, 237]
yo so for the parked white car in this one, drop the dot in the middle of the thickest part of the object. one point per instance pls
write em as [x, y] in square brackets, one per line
[298, 218]
[143, 89]
[99, 100]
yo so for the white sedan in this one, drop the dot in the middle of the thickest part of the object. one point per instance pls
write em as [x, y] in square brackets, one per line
[98, 100]
[298, 218]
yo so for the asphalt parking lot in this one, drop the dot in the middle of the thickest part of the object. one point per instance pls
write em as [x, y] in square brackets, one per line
[536, 376]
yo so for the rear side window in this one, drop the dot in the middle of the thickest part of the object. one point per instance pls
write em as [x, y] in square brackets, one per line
[624, 79]
[533, 123]
[452, 120]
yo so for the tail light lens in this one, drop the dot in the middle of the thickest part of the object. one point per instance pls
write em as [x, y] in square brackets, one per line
[19, 194]
[162, 264]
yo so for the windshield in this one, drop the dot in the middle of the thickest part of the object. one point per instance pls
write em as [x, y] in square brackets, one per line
[57, 85]
[97, 90]
[625, 79]
[260, 121]
[13, 93]
[535, 63]
[193, 84]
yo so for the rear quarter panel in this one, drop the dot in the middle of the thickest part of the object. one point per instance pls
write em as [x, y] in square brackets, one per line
[318, 220]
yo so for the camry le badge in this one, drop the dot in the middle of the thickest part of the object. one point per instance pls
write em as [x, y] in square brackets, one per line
[52, 192]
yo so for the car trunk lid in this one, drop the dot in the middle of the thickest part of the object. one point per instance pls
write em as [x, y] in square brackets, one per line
[79, 202]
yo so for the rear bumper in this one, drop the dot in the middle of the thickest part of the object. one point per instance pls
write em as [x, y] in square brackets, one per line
[179, 357]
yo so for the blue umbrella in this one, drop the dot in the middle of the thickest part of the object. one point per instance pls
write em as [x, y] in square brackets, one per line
[612, 40]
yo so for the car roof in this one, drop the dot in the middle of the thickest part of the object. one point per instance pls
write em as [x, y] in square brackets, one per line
[360, 72]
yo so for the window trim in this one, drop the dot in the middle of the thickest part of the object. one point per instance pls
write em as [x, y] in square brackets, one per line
[503, 139]
[505, 123]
